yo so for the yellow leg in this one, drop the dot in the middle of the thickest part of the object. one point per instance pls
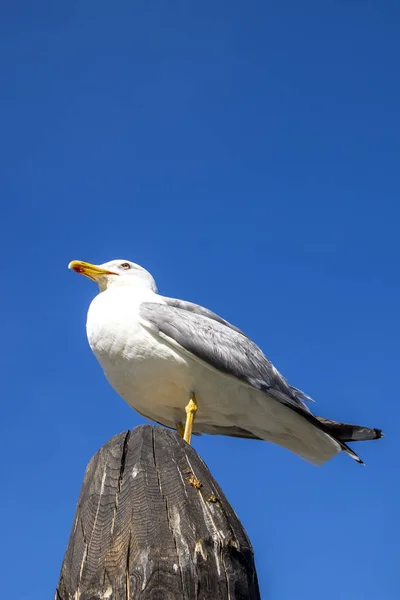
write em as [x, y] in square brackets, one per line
[180, 428]
[191, 410]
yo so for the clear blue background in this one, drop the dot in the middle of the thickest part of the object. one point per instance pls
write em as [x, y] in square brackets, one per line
[247, 154]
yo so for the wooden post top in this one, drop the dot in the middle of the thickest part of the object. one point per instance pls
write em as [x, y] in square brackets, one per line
[152, 523]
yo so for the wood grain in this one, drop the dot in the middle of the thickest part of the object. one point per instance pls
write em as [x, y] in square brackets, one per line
[152, 523]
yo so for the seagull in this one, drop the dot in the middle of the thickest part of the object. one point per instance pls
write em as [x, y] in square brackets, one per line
[185, 367]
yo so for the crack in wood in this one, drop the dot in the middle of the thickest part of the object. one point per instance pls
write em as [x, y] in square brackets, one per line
[168, 514]
[121, 475]
[127, 569]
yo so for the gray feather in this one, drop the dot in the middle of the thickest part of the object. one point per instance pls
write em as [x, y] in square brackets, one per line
[222, 346]
[199, 310]
[225, 348]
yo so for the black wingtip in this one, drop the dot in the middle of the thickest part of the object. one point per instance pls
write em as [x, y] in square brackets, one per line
[352, 454]
[379, 434]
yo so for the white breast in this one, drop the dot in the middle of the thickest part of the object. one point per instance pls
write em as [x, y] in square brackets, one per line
[148, 373]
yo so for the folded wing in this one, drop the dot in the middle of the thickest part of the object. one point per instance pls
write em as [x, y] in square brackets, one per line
[227, 349]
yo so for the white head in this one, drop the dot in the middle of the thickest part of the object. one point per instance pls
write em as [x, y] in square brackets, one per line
[115, 273]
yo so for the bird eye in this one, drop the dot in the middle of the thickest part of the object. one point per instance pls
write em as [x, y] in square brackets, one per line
[125, 266]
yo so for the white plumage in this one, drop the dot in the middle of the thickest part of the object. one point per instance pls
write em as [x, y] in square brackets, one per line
[131, 330]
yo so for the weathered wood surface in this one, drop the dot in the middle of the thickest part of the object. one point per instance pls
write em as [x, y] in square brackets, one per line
[152, 523]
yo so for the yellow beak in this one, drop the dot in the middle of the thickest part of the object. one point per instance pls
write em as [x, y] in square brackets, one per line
[89, 270]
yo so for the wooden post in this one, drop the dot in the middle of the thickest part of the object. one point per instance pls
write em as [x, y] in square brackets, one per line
[152, 523]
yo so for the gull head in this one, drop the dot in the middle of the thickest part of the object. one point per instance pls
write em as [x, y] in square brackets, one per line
[115, 273]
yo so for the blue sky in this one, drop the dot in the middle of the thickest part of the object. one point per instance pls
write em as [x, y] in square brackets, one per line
[247, 154]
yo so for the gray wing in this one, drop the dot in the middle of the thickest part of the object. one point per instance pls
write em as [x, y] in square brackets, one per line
[199, 310]
[227, 349]
[222, 346]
